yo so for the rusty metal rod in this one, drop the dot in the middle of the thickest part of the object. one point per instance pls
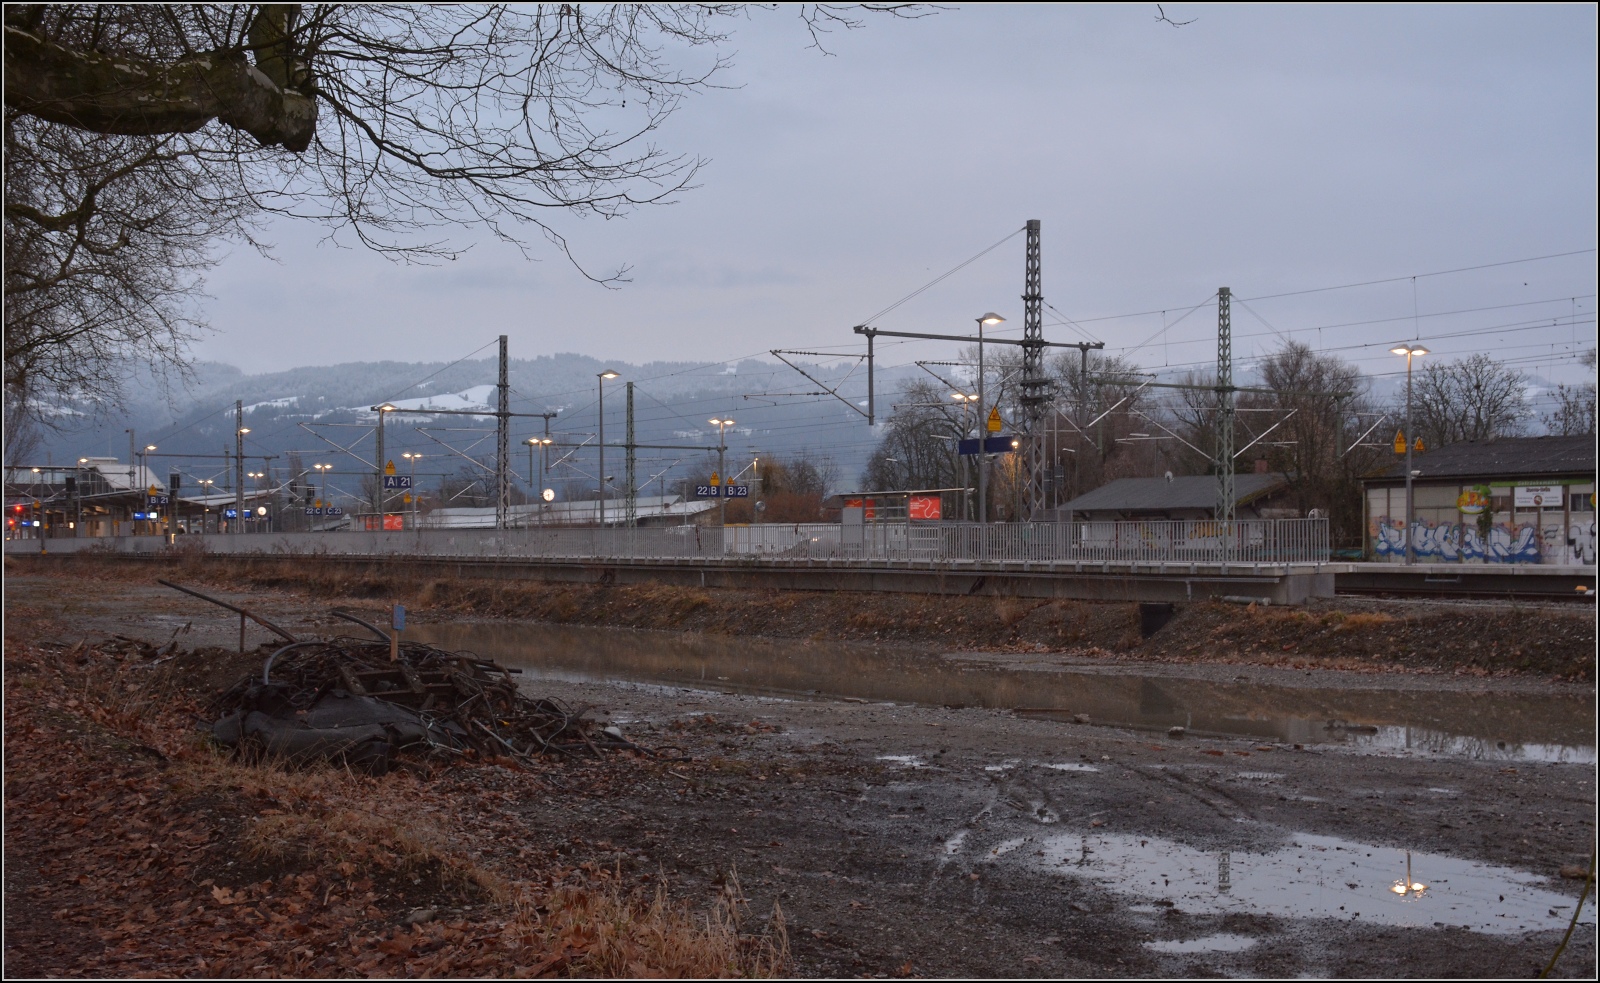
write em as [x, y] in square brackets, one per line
[269, 626]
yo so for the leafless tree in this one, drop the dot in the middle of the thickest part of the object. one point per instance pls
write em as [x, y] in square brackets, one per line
[106, 238]
[1473, 398]
[1574, 414]
[1098, 406]
[137, 134]
[918, 449]
[1313, 415]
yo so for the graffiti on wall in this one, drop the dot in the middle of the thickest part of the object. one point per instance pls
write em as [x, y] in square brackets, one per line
[1580, 540]
[1447, 542]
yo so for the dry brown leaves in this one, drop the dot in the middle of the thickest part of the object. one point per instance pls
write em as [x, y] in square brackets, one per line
[136, 850]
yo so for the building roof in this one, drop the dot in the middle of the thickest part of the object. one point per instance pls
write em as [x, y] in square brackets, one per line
[1164, 495]
[1506, 457]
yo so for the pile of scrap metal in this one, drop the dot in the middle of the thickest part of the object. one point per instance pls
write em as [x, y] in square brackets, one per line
[353, 701]
[344, 700]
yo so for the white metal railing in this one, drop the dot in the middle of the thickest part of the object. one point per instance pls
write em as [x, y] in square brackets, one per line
[1175, 541]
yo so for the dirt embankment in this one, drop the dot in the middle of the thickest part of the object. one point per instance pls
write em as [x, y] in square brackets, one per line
[1479, 639]
[134, 848]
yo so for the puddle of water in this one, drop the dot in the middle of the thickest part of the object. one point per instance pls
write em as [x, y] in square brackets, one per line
[1317, 877]
[1511, 727]
[1210, 943]
[903, 760]
[1072, 766]
[1006, 846]
[952, 846]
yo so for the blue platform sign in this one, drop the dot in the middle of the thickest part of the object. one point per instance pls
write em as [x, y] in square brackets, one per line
[706, 491]
[229, 513]
[991, 445]
[400, 482]
[737, 491]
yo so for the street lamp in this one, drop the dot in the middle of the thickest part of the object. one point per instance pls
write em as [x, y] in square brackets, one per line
[413, 458]
[722, 449]
[322, 472]
[983, 470]
[379, 463]
[238, 496]
[1409, 351]
[205, 502]
[603, 376]
[144, 473]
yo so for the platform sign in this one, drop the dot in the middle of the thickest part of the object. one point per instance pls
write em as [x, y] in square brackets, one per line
[396, 481]
[153, 499]
[1537, 496]
[311, 510]
[706, 491]
[333, 510]
[737, 491]
[230, 513]
[991, 445]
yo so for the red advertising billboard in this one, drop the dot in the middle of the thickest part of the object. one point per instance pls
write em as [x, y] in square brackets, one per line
[924, 507]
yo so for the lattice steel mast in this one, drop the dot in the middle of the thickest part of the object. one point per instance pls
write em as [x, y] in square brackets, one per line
[1225, 391]
[1037, 388]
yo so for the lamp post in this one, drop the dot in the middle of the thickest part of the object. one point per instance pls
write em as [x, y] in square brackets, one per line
[722, 450]
[413, 458]
[1409, 351]
[77, 499]
[205, 502]
[144, 474]
[257, 476]
[966, 400]
[322, 496]
[238, 495]
[983, 422]
[602, 377]
[378, 464]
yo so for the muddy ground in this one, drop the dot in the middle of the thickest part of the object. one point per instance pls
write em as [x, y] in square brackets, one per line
[921, 840]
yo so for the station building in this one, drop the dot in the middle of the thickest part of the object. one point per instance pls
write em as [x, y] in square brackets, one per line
[1511, 500]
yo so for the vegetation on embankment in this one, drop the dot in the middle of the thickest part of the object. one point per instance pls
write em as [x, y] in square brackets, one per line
[1480, 639]
[135, 848]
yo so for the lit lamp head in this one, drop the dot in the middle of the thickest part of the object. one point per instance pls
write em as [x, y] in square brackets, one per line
[1408, 350]
[609, 374]
[244, 430]
[991, 318]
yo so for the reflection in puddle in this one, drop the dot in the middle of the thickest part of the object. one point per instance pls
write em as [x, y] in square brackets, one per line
[1210, 943]
[1072, 766]
[903, 760]
[1315, 877]
[1511, 727]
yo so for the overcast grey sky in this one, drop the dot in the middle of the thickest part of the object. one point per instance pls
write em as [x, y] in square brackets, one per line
[1269, 149]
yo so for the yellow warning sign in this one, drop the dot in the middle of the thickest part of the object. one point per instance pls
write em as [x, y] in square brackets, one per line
[1399, 442]
[388, 468]
[406, 498]
[995, 423]
[154, 490]
[716, 479]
